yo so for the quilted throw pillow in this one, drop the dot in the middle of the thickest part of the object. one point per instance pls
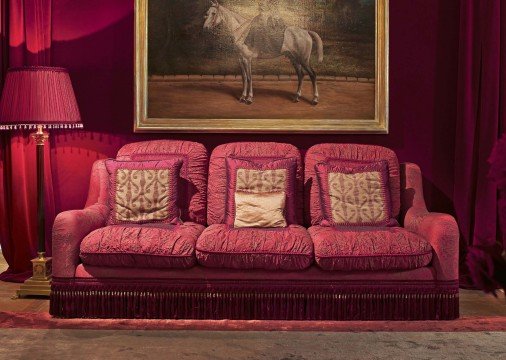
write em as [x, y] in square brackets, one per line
[143, 191]
[260, 193]
[355, 195]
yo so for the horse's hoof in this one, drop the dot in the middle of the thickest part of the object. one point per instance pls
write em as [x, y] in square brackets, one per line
[315, 102]
[296, 99]
[249, 101]
[242, 99]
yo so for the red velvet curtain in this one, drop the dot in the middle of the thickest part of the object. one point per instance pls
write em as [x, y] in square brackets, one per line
[28, 42]
[481, 118]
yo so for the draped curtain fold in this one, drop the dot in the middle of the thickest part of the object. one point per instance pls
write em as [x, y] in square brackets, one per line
[481, 118]
[27, 41]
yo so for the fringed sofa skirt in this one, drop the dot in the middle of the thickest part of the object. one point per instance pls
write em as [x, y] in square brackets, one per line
[260, 300]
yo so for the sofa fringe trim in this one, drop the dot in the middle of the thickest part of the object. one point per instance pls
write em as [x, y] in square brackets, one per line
[150, 301]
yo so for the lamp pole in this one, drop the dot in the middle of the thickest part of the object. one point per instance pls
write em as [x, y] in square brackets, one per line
[40, 138]
[40, 283]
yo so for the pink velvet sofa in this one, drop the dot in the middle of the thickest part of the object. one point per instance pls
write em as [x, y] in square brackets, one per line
[302, 272]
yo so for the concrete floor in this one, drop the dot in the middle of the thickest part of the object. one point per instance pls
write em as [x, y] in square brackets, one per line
[112, 345]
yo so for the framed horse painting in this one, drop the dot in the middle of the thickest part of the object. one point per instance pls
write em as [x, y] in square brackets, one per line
[286, 66]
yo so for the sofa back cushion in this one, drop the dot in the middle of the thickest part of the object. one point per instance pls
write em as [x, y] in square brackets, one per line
[192, 187]
[346, 155]
[256, 152]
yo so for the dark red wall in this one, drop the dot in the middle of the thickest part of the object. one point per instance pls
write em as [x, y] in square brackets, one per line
[94, 39]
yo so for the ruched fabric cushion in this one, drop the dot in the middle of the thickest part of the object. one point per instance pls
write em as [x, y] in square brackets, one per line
[222, 246]
[160, 246]
[369, 249]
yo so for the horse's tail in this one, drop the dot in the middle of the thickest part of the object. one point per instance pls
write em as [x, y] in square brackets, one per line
[319, 44]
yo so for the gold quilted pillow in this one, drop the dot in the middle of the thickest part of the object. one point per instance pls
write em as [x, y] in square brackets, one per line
[356, 195]
[143, 191]
[264, 209]
[260, 194]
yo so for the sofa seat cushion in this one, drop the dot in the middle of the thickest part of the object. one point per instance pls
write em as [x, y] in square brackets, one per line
[222, 246]
[160, 246]
[369, 249]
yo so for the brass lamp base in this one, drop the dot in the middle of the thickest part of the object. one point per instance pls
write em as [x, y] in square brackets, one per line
[40, 283]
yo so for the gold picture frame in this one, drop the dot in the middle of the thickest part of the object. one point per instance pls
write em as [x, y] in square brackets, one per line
[377, 125]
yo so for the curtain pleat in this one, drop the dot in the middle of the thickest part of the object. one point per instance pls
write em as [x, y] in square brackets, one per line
[481, 119]
[29, 44]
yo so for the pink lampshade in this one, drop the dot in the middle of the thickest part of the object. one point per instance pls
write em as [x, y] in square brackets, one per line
[38, 95]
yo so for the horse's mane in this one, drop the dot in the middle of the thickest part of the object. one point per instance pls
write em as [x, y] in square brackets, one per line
[236, 16]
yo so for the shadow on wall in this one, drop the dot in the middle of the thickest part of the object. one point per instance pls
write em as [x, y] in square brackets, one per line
[443, 136]
[94, 40]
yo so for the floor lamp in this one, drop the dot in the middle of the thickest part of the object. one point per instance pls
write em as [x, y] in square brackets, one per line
[38, 98]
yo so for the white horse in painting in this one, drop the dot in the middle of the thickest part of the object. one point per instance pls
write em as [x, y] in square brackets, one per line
[297, 46]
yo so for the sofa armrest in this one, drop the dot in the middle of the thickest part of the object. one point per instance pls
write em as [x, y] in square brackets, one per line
[69, 228]
[442, 232]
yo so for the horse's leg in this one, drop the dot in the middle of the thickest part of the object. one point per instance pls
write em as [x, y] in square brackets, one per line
[244, 81]
[249, 99]
[300, 76]
[312, 75]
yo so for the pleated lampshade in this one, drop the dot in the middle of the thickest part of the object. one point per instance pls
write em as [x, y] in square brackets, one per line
[38, 96]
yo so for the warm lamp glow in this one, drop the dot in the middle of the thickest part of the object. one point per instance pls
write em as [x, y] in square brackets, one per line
[38, 96]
